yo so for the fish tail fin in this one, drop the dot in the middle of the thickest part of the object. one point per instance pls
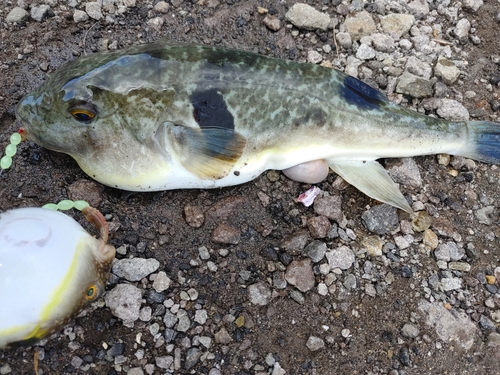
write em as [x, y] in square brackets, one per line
[484, 142]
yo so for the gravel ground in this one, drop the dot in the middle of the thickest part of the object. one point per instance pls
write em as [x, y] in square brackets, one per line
[246, 280]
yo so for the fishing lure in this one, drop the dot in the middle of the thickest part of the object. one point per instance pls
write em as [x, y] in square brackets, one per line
[50, 268]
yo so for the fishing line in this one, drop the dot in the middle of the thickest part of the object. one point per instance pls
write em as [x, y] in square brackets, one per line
[85, 37]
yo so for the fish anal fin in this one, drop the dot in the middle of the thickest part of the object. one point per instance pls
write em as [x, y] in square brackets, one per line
[373, 180]
[209, 153]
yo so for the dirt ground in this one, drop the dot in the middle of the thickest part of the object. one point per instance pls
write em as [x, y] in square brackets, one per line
[265, 213]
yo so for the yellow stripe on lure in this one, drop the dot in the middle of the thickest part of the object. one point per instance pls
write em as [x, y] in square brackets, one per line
[169, 116]
[50, 268]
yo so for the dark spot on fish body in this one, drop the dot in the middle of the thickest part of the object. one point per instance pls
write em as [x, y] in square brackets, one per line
[360, 94]
[211, 76]
[220, 57]
[210, 110]
[316, 116]
[236, 173]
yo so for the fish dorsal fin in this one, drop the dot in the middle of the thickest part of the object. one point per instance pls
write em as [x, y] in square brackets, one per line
[209, 152]
[372, 179]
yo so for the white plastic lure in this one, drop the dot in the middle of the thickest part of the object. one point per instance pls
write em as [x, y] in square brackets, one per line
[50, 268]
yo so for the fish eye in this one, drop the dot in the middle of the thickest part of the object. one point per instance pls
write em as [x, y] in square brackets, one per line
[83, 113]
[92, 292]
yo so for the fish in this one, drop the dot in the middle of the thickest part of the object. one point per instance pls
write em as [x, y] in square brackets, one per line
[165, 116]
[50, 269]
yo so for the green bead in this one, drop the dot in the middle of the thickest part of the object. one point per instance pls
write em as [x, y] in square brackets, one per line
[80, 205]
[10, 150]
[50, 206]
[15, 139]
[65, 205]
[5, 162]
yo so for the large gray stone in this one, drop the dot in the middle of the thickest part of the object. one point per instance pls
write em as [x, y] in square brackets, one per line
[360, 25]
[124, 301]
[135, 269]
[306, 17]
[456, 328]
[17, 14]
[446, 70]
[397, 24]
[404, 171]
[341, 257]
[381, 219]
[38, 13]
[450, 109]
[259, 293]
[415, 86]
[300, 274]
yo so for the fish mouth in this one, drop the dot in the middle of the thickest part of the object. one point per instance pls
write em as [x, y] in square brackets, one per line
[23, 133]
[24, 130]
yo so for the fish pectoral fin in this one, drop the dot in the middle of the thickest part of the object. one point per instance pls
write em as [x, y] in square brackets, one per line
[373, 180]
[209, 153]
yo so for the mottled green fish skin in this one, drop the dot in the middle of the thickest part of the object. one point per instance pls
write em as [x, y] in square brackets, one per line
[183, 116]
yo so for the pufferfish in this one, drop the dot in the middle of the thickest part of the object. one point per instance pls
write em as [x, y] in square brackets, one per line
[50, 268]
[167, 116]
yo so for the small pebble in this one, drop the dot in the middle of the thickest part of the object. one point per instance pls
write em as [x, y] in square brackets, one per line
[318, 226]
[135, 269]
[306, 17]
[410, 330]
[430, 239]
[300, 274]
[381, 219]
[315, 343]
[341, 257]
[486, 323]
[38, 13]
[272, 23]
[278, 370]
[164, 362]
[193, 355]
[161, 282]
[316, 251]
[373, 245]
[314, 57]
[345, 333]
[162, 7]
[222, 336]
[80, 16]
[259, 293]
[490, 279]
[421, 221]
[493, 340]
[94, 11]
[124, 301]
[404, 356]
[194, 215]
[226, 234]
[17, 14]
